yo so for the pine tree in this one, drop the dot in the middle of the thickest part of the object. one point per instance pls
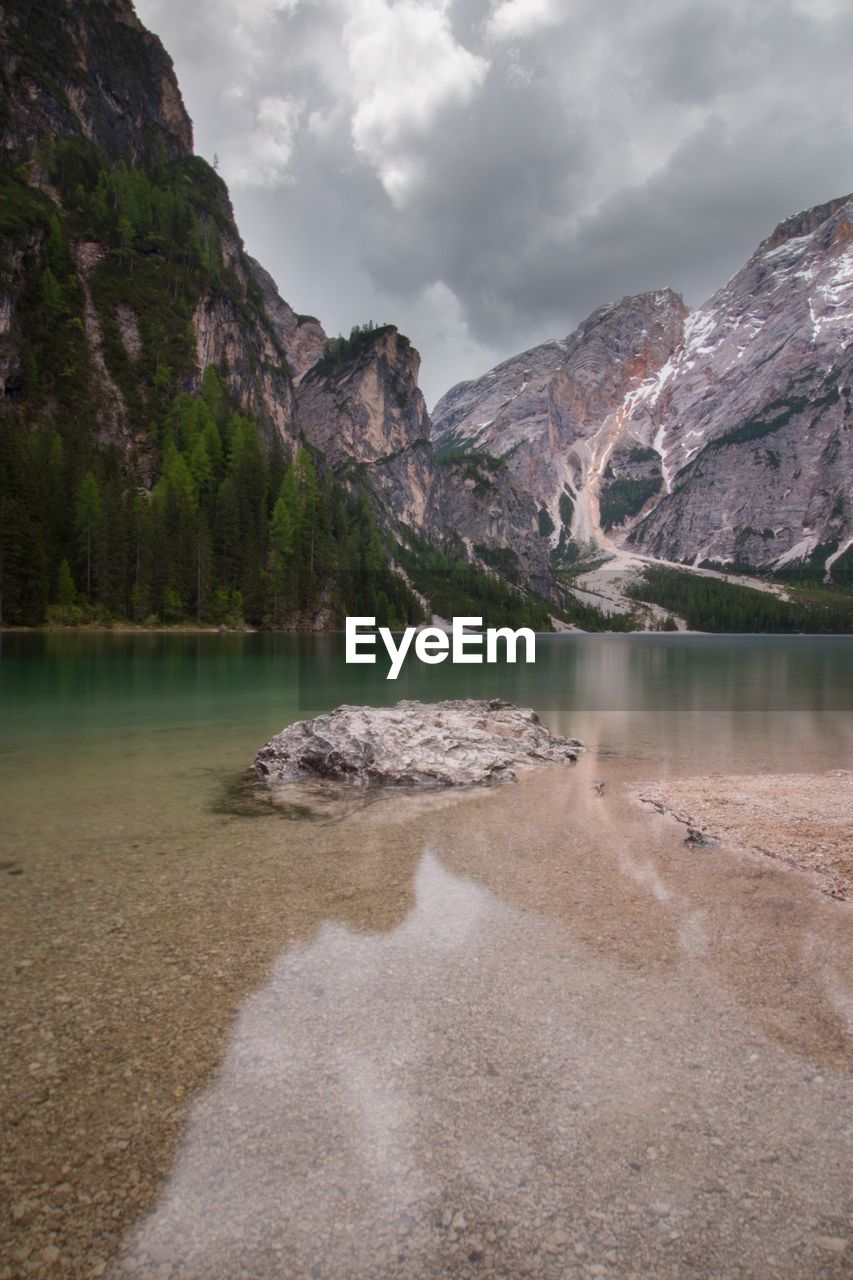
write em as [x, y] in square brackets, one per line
[66, 592]
[54, 307]
[88, 514]
[280, 554]
[175, 498]
[247, 467]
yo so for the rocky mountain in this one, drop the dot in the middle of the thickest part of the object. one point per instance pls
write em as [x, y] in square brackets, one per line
[362, 406]
[154, 460]
[556, 413]
[715, 436]
[92, 117]
[178, 442]
[752, 417]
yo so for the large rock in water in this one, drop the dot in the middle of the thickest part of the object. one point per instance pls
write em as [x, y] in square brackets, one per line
[438, 744]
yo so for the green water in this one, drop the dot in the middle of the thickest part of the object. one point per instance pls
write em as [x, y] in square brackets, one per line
[57, 684]
[102, 734]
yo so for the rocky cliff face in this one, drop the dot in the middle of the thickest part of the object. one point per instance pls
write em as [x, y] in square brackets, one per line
[361, 405]
[752, 416]
[556, 413]
[238, 331]
[361, 402]
[89, 70]
[720, 435]
[302, 337]
[89, 94]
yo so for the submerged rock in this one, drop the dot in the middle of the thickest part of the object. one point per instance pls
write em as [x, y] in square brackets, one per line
[441, 744]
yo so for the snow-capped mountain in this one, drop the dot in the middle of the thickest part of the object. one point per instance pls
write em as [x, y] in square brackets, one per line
[719, 435]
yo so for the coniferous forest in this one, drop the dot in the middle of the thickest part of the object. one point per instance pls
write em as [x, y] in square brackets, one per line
[228, 534]
[713, 604]
[207, 521]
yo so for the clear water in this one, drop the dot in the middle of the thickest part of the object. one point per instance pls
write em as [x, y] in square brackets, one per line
[212, 699]
[119, 723]
[310, 1044]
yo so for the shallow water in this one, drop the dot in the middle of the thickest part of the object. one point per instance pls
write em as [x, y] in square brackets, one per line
[520, 1031]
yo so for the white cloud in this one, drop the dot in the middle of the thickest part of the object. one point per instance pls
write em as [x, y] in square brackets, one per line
[515, 19]
[245, 28]
[406, 68]
[260, 155]
[822, 10]
[541, 156]
[322, 124]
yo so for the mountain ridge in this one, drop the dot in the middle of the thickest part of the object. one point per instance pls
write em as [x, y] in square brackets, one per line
[702, 389]
[154, 462]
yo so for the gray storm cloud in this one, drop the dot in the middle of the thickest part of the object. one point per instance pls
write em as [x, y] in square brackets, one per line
[484, 173]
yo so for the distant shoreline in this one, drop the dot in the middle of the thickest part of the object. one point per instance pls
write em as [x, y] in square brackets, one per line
[131, 628]
[190, 629]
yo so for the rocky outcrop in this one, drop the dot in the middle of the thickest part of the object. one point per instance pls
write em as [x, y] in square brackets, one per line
[362, 406]
[721, 435]
[414, 744]
[361, 402]
[90, 71]
[302, 337]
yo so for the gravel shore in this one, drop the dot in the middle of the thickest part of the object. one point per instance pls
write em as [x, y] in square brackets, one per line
[802, 819]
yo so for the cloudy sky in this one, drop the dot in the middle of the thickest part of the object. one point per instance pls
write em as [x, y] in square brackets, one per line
[484, 173]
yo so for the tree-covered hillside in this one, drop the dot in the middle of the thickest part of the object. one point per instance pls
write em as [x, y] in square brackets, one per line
[152, 467]
[167, 505]
[229, 533]
[712, 604]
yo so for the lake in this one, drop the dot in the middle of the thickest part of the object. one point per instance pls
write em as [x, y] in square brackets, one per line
[515, 1032]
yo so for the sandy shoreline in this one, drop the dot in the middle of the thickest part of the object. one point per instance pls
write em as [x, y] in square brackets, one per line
[804, 820]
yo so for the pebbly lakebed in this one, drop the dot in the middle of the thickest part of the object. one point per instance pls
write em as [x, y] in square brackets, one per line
[514, 1031]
